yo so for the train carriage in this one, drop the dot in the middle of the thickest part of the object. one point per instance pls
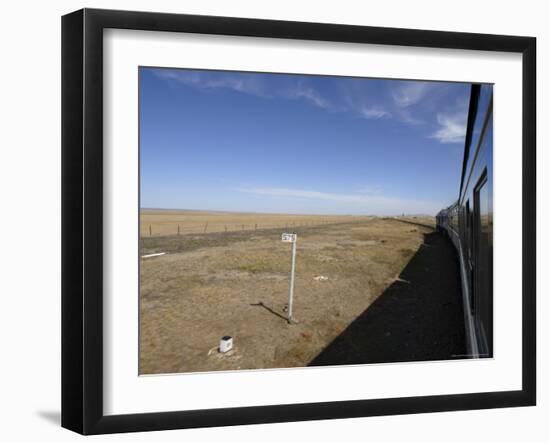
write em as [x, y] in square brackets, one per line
[469, 223]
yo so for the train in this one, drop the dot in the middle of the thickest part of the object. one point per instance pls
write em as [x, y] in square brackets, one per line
[468, 222]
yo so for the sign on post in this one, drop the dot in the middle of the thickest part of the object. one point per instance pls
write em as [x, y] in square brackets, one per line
[288, 238]
[291, 238]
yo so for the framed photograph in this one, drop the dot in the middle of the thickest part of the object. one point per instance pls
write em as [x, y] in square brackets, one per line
[268, 221]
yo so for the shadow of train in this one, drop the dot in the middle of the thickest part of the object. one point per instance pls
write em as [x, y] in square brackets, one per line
[419, 317]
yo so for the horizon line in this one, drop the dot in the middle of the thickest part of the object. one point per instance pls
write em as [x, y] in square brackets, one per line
[280, 213]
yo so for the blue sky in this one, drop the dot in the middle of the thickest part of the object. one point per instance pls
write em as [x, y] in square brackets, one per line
[299, 144]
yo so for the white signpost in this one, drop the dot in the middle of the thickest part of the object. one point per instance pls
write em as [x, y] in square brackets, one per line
[291, 238]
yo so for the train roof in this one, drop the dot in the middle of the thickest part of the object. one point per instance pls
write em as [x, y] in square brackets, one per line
[444, 211]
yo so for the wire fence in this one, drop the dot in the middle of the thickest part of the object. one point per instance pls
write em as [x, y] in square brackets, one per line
[172, 228]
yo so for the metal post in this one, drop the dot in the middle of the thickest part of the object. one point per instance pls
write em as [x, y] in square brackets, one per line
[291, 290]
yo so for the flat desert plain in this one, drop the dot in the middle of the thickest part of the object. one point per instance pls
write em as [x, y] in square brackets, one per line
[216, 283]
[155, 222]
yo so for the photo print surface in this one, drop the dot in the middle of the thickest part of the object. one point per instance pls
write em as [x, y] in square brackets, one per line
[294, 220]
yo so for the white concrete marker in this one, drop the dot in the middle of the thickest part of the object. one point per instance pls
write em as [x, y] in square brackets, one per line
[153, 255]
[226, 344]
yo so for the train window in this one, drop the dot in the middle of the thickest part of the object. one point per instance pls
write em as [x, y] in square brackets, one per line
[482, 254]
[471, 247]
[468, 224]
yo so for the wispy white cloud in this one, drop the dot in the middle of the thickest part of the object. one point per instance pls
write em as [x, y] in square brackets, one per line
[414, 103]
[408, 93]
[395, 102]
[452, 128]
[300, 193]
[246, 85]
[352, 203]
[410, 117]
[373, 112]
[359, 100]
[249, 84]
[427, 104]
[204, 80]
[302, 91]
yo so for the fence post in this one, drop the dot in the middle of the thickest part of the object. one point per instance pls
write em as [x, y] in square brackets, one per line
[205, 226]
[150, 231]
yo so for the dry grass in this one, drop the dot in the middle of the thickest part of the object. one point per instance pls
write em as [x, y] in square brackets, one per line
[217, 284]
[155, 222]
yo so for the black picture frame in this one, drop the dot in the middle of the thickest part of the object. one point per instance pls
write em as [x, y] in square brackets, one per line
[82, 218]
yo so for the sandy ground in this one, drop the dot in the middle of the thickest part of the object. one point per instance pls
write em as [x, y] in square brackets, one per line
[236, 284]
